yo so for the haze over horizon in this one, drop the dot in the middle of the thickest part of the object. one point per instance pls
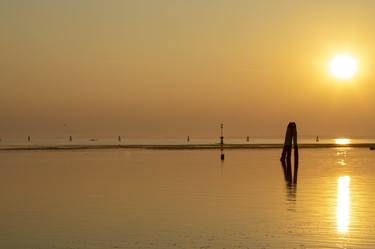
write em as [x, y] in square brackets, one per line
[176, 68]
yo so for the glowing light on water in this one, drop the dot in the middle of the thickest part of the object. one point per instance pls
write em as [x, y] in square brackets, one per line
[341, 162]
[342, 141]
[343, 203]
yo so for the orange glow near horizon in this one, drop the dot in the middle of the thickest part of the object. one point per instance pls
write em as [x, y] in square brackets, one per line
[342, 141]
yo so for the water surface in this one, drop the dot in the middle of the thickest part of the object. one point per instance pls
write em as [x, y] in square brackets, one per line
[186, 199]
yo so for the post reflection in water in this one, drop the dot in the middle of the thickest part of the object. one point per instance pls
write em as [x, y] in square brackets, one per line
[290, 179]
[343, 204]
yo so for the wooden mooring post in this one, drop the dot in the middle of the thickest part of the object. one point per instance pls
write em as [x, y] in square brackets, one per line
[222, 142]
[286, 155]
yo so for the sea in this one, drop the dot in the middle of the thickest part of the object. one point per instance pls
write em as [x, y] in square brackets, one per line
[167, 199]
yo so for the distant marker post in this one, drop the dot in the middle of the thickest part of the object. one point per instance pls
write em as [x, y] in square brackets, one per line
[222, 142]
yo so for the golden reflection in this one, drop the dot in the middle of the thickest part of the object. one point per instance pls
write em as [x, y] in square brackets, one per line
[343, 203]
[342, 141]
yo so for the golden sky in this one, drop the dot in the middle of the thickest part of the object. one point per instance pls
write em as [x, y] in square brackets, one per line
[171, 68]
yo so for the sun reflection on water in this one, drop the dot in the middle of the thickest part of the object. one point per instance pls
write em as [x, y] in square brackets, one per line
[343, 203]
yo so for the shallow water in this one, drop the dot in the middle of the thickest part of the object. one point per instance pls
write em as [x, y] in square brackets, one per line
[186, 199]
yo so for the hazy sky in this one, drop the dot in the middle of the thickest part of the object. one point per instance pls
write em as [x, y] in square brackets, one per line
[171, 68]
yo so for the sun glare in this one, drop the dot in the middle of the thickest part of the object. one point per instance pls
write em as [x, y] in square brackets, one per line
[342, 141]
[343, 66]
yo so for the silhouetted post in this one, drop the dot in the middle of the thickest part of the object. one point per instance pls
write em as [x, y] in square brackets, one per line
[188, 139]
[287, 172]
[119, 138]
[70, 138]
[28, 138]
[247, 139]
[222, 135]
[295, 173]
[295, 146]
[317, 139]
[286, 155]
[222, 142]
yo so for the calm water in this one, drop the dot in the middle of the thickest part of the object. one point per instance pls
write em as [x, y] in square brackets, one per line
[186, 199]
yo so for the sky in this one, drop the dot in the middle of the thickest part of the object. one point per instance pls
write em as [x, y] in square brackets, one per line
[172, 68]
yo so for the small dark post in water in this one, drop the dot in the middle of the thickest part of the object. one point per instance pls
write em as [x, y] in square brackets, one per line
[222, 135]
[188, 139]
[317, 139]
[286, 156]
[28, 138]
[119, 138]
[247, 139]
[70, 138]
[222, 142]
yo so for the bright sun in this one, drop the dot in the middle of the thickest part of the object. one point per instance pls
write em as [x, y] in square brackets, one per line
[343, 66]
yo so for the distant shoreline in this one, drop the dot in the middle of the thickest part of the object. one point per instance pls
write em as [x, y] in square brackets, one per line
[183, 146]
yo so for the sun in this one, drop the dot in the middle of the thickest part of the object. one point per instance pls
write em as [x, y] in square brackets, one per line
[343, 66]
